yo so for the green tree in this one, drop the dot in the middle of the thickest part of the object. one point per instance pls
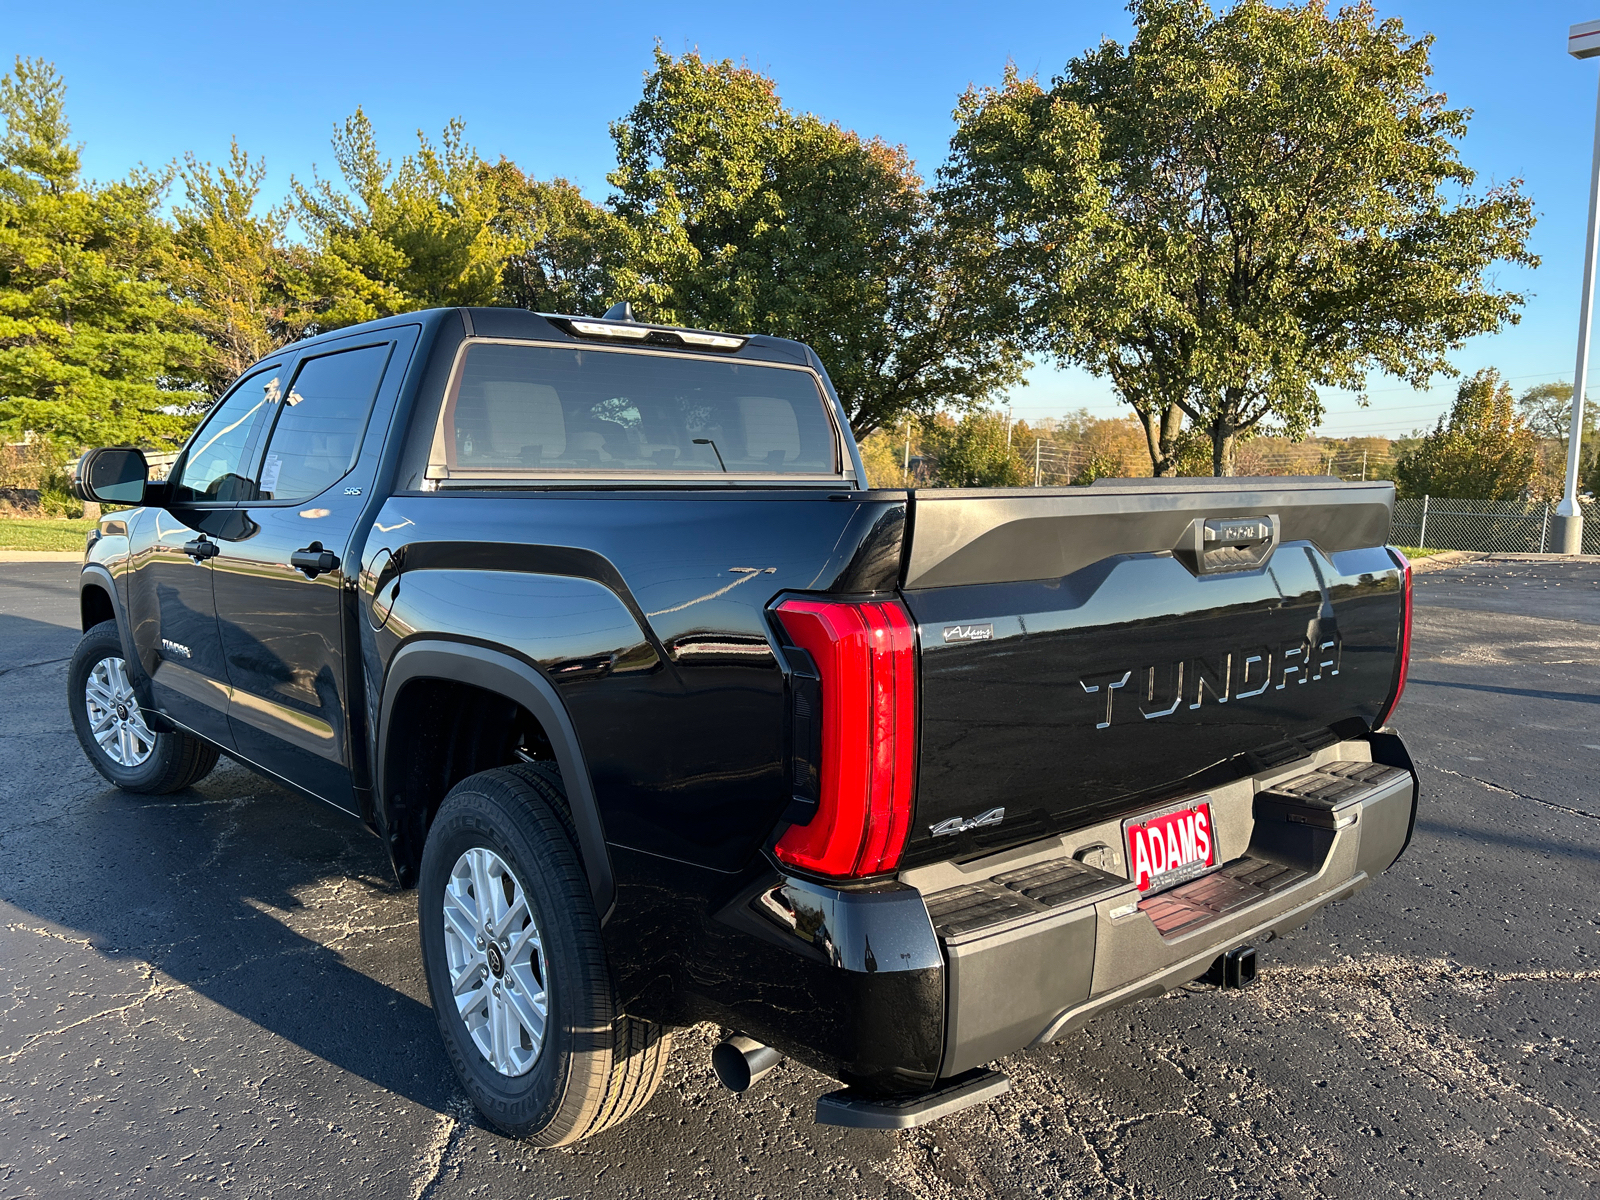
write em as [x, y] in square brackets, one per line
[883, 453]
[745, 216]
[1483, 450]
[242, 280]
[1232, 211]
[974, 452]
[1547, 408]
[94, 347]
[394, 240]
[562, 249]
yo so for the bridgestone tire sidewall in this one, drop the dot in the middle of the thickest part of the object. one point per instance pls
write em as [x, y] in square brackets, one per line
[530, 1103]
[100, 643]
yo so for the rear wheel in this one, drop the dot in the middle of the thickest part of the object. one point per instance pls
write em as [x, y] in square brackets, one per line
[516, 970]
[112, 727]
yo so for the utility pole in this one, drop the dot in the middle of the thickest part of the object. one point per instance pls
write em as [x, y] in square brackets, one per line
[1583, 41]
[1037, 442]
[1008, 429]
[1363, 466]
[905, 469]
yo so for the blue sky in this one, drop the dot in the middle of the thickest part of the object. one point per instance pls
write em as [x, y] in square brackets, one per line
[540, 83]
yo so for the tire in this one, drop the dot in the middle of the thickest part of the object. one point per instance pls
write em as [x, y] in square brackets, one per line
[592, 1067]
[133, 757]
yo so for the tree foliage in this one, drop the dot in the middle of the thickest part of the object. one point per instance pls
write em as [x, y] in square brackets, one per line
[245, 285]
[1547, 408]
[562, 249]
[1222, 216]
[1234, 210]
[393, 240]
[974, 452]
[93, 345]
[743, 215]
[1483, 450]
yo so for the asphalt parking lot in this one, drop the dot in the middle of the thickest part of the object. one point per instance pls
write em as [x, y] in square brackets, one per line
[219, 993]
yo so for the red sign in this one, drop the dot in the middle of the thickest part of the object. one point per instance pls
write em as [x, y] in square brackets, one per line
[1170, 846]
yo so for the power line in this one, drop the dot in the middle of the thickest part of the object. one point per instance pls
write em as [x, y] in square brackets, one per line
[1046, 407]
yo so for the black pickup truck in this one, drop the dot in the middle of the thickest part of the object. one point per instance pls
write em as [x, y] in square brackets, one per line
[670, 718]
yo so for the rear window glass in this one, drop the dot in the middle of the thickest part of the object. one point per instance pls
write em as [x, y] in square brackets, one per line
[519, 410]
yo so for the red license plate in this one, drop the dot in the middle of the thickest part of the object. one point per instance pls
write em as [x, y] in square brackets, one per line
[1171, 845]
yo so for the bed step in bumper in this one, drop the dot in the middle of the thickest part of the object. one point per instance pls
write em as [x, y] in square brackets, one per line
[1041, 937]
[855, 1109]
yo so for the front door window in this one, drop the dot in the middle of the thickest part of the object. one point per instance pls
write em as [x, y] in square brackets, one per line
[213, 465]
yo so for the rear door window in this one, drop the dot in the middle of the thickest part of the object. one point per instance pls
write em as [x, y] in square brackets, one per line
[213, 463]
[537, 410]
[320, 421]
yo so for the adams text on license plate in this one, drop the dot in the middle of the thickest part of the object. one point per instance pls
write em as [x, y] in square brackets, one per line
[1170, 845]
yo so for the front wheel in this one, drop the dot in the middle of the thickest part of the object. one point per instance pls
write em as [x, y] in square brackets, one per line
[112, 728]
[516, 970]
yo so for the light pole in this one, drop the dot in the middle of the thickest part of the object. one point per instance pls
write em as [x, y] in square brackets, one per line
[1583, 41]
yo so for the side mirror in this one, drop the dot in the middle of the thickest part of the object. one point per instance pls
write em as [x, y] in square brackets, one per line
[111, 475]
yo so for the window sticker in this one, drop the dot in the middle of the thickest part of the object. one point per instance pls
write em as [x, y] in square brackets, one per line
[269, 473]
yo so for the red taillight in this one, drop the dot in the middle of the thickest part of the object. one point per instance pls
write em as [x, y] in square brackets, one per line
[1405, 642]
[866, 659]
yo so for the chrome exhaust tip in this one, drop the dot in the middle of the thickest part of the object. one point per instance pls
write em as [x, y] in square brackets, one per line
[740, 1061]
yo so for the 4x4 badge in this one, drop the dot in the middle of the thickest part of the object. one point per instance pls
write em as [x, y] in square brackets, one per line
[957, 825]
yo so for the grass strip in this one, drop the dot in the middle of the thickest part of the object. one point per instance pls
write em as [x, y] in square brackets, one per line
[42, 533]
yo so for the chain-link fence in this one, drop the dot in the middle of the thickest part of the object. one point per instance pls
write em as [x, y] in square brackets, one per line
[1054, 464]
[1484, 526]
[1487, 526]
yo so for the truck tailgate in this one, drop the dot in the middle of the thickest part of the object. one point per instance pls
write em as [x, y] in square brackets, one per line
[1088, 652]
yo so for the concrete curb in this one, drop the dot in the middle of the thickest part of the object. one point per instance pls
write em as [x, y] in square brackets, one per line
[41, 556]
[1445, 558]
[1530, 557]
[1451, 558]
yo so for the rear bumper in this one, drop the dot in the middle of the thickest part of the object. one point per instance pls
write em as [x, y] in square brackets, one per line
[894, 987]
[1032, 976]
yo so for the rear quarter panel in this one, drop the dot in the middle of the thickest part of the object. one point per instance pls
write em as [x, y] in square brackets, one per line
[647, 612]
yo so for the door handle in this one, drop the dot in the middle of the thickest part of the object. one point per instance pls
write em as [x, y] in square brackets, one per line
[314, 560]
[200, 549]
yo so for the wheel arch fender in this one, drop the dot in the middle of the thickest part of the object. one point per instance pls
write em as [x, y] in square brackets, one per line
[506, 675]
[97, 578]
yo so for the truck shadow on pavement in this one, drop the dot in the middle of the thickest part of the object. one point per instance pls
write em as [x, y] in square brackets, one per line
[249, 896]
[1552, 847]
[1499, 690]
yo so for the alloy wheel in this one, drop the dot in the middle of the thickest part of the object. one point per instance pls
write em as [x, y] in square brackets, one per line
[496, 959]
[115, 721]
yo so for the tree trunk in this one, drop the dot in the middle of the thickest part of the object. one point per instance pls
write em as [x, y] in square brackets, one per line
[1161, 430]
[1222, 440]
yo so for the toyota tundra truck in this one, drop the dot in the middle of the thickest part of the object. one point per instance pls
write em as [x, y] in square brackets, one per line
[670, 717]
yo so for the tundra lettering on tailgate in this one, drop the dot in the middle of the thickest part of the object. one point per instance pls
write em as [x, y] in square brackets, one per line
[1159, 691]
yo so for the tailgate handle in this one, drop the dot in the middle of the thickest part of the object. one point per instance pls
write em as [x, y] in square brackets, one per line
[1216, 545]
